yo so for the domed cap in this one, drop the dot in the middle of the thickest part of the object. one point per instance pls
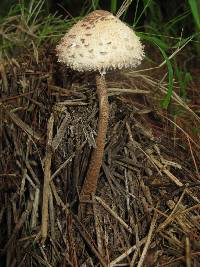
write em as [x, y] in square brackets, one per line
[100, 41]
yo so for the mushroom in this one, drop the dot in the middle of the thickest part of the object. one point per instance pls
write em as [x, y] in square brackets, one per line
[99, 42]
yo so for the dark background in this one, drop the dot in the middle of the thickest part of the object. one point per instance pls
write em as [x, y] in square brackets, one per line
[165, 9]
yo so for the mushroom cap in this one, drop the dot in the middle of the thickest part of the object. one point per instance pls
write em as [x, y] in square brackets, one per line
[100, 42]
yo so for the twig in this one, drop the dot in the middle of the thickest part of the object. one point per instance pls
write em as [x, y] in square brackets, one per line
[123, 7]
[4, 77]
[193, 157]
[127, 252]
[64, 164]
[173, 178]
[149, 236]
[118, 91]
[52, 216]
[21, 124]
[18, 226]
[132, 140]
[72, 249]
[173, 214]
[97, 226]
[61, 132]
[106, 207]
[89, 240]
[34, 215]
[178, 259]
[188, 253]
[47, 176]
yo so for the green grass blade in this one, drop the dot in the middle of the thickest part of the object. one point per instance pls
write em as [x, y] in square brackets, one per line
[113, 6]
[183, 77]
[155, 40]
[167, 98]
[136, 11]
[95, 4]
[195, 9]
[143, 11]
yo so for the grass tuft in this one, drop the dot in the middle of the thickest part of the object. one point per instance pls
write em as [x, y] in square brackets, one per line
[28, 26]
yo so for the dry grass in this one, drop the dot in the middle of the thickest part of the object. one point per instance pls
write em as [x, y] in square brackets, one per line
[146, 210]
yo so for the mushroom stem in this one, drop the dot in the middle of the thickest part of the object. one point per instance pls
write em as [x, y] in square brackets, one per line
[90, 183]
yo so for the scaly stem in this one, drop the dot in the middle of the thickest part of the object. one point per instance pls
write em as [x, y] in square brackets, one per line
[90, 183]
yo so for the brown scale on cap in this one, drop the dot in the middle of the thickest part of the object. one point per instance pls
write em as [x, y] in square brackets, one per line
[95, 16]
[72, 36]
